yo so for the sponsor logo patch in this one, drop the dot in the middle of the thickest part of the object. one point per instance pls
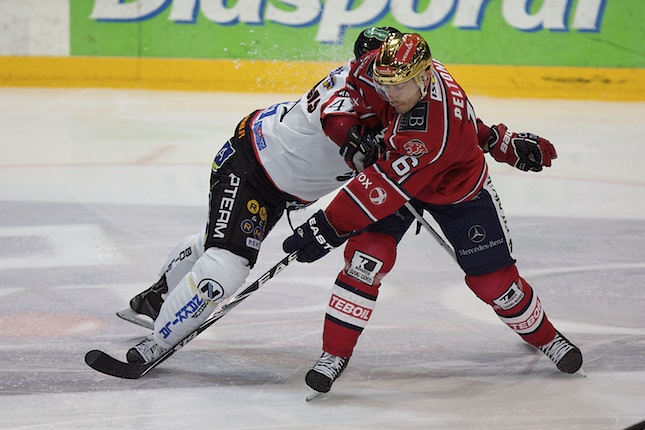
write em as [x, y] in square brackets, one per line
[481, 247]
[348, 308]
[260, 142]
[364, 267]
[253, 243]
[378, 196]
[476, 234]
[511, 298]
[194, 307]
[223, 155]
[211, 288]
[247, 226]
[253, 206]
[528, 321]
[258, 233]
[226, 204]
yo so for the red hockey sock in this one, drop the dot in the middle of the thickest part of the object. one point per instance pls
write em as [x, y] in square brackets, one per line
[515, 302]
[368, 258]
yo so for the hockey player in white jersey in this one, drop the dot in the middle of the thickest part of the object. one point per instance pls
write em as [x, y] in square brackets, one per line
[278, 159]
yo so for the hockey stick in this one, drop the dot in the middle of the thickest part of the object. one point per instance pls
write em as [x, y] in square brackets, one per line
[637, 426]
[431, 230]
[104, 363]
[128, 315]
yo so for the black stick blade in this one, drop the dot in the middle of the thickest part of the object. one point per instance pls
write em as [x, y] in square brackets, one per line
[104, 363]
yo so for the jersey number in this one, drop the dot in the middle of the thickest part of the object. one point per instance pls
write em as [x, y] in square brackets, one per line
[404, 164]
[313, 98]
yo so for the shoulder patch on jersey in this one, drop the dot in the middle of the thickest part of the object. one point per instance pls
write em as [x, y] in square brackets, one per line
[415, 147]
[223, 155]
[416, 119]
[259, 140]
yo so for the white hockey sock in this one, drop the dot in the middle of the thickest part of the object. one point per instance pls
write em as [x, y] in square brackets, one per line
[181, 259]
[183, 311]
[214, 277]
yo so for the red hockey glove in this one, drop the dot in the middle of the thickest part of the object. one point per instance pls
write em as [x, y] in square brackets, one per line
[524, 151]
[363, 148]
[313, 239]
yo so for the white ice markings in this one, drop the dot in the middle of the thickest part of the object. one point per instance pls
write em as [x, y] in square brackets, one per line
[58, 246]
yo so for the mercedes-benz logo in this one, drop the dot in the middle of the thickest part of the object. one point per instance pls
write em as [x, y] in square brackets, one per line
[477, 233]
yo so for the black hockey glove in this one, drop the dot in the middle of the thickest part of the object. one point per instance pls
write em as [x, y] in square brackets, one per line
[313, 239]
[524, 151]
[363, 148]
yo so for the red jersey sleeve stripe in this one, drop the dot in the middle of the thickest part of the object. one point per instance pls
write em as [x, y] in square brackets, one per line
[361, 206]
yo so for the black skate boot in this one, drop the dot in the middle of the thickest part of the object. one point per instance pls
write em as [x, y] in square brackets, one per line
[566, 356]
[324, 373]
[149, 301]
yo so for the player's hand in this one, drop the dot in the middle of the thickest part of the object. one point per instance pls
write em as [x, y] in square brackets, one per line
[524, 151]
[363, 148]
[313, 239]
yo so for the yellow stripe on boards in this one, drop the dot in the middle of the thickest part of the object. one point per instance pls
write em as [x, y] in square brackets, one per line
[584, 83]
[155, 73]
[297, 77]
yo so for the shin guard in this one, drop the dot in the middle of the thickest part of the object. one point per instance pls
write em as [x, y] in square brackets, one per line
[368, 258]
[214, 277]
[181, 259]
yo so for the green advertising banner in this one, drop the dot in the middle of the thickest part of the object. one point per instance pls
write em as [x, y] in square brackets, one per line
[588, 33]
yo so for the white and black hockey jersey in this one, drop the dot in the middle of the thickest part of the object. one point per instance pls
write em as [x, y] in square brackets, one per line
[291, 145]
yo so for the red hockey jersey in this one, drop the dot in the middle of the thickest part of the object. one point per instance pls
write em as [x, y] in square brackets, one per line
[433, 153]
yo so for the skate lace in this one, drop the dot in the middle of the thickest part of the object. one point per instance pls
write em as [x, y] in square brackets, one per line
[330, 365]
[556, 349]
[149, 349]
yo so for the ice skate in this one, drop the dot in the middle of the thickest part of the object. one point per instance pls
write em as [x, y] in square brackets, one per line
[320, 378]
[566, 356]
[145, 351]
[149, 301]
[144, 307]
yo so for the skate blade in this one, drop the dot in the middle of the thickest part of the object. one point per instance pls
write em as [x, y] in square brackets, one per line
[313, 394]
[129, 315]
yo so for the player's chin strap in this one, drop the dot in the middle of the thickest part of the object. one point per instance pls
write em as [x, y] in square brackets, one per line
[431, 230]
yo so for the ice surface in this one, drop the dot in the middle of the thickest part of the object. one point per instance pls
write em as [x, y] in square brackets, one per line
[96, 187]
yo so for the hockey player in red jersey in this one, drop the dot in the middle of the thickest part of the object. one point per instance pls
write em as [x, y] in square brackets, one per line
[434, 159]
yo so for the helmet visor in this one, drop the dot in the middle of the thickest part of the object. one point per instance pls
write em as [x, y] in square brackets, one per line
[398, 92]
